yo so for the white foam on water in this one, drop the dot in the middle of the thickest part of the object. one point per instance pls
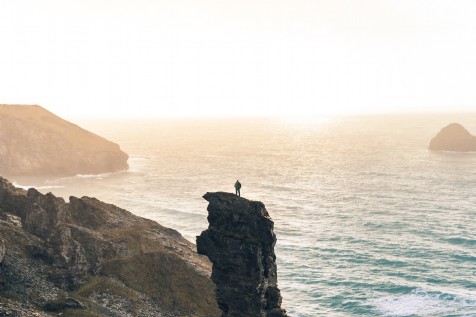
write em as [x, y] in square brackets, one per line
[136, 163]
[98, 176]
[422, 303]
[139, 158]
[37, 187]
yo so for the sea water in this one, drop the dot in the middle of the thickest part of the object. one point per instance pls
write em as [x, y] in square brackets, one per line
[369, 222]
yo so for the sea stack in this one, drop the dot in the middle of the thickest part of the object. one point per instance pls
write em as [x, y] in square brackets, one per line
[453, 137]
[240, 243]
[34, 142]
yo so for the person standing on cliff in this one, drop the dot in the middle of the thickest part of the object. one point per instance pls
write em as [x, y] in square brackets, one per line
[237, 187]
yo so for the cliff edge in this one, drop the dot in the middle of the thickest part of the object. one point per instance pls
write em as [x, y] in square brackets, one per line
[34, 141]
[240, 243]
[453, 137]
[89, 258]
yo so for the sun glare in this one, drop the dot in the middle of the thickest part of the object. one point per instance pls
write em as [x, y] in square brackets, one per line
[174, 59]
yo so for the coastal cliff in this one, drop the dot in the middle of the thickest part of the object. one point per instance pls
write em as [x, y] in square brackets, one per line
[34, 141]
[240, 243]
[89, 258]
[453, 137]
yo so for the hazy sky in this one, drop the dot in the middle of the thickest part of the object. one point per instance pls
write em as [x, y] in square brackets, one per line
[240, 57]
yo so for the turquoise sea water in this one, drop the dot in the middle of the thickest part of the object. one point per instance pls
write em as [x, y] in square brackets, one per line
[369, 222]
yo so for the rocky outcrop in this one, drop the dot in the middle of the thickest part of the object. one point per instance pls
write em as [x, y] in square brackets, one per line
[2, 251]
[88, 258]
[453, 137]
[240, 243]
[33, 141]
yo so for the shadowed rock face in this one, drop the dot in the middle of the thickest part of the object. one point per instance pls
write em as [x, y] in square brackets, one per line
[33, 141]
[89, 258]
[453, 137]
[240, 243]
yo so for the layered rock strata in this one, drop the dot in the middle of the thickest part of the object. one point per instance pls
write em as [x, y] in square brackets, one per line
[453, 137]
[33, 142]
[89, 258]
[240, 243]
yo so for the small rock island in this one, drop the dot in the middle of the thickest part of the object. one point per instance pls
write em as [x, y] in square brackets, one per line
[453, 137]
[240, 243]
[34, 142]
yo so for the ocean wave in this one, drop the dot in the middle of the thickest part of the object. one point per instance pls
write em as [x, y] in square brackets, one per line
[462, 241]
[424, 303]
[464, 257]
[38, 187]
[100, 176]
[140, 158]
[390, 262]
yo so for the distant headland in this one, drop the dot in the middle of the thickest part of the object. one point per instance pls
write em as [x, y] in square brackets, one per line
[34, 141]
[453, 137]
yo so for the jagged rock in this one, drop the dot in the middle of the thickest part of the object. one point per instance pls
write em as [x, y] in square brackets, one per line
[453, 137]
[12, 309]
[240, 243]
[3, 250]
[97, 257]
[12, 219]
[33, 141]
[63, 304]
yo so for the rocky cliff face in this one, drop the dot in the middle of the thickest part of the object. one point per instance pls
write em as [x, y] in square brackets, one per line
[89, 258]
[33, 141]
[453, 137]
[240, 243]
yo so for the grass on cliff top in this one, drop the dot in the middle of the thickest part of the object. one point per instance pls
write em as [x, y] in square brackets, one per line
[81, 313]
[167, 279]
[102, 284]
[147, 266]
[135, 239]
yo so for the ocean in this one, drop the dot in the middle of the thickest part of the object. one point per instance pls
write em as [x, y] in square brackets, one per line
[369, 222]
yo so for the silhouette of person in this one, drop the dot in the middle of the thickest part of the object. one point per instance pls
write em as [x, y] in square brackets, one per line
[237, 188]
